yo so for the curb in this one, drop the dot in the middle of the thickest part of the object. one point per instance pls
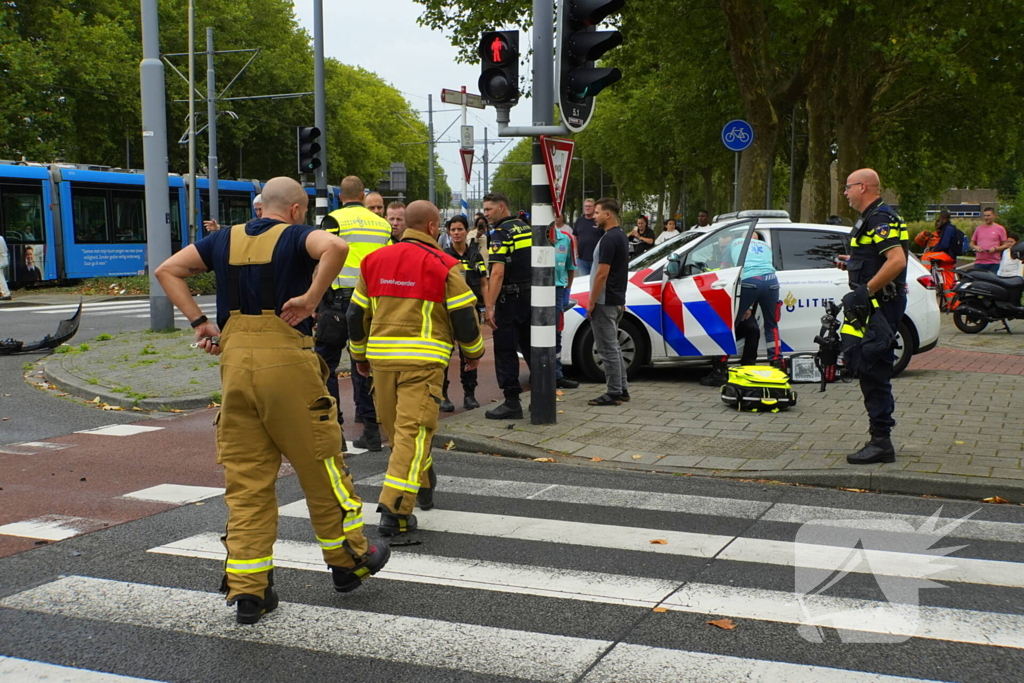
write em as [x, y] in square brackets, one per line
[895, 482]
[55, 374]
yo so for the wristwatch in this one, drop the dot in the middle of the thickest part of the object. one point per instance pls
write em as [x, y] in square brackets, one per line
[199, 321]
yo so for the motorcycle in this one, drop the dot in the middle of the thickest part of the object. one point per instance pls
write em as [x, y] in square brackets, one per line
[985, 298]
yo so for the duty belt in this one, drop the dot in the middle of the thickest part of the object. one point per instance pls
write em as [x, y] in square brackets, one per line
[890, 291]
[514, 287]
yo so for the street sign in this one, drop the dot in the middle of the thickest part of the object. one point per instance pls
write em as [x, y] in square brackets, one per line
[557, 161]
[737, 135]
[467, 162]
[467, 137]
[455, 97]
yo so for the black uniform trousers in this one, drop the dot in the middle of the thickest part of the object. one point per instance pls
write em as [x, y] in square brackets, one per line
[331, 353]
[876, 383]
[512, 316]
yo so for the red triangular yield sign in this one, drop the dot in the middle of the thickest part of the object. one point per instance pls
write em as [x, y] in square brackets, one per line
[558, 161]
[467, 163]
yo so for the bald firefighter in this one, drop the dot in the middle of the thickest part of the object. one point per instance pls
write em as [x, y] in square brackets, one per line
[274, 395]
[410, 307]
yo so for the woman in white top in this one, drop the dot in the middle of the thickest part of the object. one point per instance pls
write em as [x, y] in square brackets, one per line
[668, 233]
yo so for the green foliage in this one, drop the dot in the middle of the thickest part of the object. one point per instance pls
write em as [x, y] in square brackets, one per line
[1012, 217]
[104, 337]
[148, 350]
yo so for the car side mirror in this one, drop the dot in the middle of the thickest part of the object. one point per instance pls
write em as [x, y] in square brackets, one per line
[674, 267]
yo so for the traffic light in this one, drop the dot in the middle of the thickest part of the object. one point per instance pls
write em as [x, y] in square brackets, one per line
[309, 149]
[499, 67]
[580, 44]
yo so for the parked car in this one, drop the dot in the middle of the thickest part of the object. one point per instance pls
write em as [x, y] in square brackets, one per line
[690, 319]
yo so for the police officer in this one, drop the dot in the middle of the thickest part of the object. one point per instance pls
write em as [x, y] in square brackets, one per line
[475, 272]
[274, 400]
[878, 275]
[411, 306]
[507, 308]
[365, 233]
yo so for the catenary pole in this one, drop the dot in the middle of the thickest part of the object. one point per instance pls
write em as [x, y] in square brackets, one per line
[487, 161]
[211, 112]
[465, 179]
[320, 109]
[432, 190]
[154, 150]
[192, 231]
[543, 316]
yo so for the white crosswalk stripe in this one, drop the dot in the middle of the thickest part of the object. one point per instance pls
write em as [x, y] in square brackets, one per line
[493, 647]
[137, 308]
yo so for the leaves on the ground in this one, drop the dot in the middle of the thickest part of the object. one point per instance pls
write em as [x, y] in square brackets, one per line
[995, 499]
[637, 456]
[4, 419]
[959, 443]
[724, 624]
[659, 541]
[449, 446]
[559, 392]
[560, 412]
[96, 400]
[109, 407]
[597, 460]
[660, 610]
[543, 459]
[842, 488]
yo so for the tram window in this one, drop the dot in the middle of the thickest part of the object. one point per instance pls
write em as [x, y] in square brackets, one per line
[90, 212]
[235, 210]
[22, 216]
[129, 222]
[175, 217]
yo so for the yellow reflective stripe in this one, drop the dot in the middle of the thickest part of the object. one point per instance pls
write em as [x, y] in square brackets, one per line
[851, 330]
[338, 485]
[476, 346]
[417, 341]
[401, 484]
[467, 299]
[428, 325]
[422, 452]
[261, 564]
[353, 522]
[359, 349]
[331, 543]
[360, 299]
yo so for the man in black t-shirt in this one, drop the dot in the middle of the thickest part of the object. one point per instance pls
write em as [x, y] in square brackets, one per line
[607, 301]
[587, 234]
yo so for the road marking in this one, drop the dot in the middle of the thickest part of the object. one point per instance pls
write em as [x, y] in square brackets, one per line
[177, 494]
[739, 549]
[32, 447]
[120, 430]
[425, 642]
[352, 450]
[933, 623]
[705, 505]
[126, 307]
[658, 665]
[16, 670]
[106, 306]
[50, 527]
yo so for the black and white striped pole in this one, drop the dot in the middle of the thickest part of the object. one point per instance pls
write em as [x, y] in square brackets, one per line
[543, 313]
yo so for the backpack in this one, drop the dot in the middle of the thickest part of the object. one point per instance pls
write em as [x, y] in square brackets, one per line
[958, 244]
[758, 388]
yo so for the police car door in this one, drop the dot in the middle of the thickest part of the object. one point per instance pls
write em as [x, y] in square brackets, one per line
[699, 306]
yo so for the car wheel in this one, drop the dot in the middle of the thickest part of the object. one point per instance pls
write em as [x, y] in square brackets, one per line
[965, 322]
[905, 340]
[634, 351]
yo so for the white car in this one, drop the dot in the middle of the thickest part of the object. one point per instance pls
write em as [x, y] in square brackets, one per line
[690, 318]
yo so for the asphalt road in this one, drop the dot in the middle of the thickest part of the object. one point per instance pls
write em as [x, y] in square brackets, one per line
[541, 572]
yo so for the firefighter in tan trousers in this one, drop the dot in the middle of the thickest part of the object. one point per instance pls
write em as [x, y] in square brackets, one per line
[275, 399]
[410, 307]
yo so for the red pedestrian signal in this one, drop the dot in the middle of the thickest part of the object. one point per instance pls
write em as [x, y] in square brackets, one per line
[499, 48]
[499, 67]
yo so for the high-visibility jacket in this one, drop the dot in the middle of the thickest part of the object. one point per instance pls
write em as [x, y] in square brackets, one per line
[365, 232]
[411, 306]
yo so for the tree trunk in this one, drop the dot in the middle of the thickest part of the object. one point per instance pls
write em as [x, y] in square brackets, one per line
[798, 167]
[659, 221]
[709, 191]
[820, 122]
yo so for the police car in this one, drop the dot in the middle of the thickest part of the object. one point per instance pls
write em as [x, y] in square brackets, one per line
[689, 318]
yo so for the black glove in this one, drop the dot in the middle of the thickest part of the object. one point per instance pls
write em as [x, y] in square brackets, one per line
[863, 297]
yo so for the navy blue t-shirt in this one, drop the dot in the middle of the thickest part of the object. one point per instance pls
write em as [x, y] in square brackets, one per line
[292, 264]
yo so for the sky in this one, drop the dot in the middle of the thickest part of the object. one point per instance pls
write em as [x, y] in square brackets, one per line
[384, 37]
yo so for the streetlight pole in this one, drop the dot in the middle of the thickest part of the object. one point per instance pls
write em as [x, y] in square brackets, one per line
[320, 108]
[192, 231]
[211, 112]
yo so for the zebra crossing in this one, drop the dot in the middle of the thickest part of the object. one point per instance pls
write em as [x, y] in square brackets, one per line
[132, 308]
[539, 574]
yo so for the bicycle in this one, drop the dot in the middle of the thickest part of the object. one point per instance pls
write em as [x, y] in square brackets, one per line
[737, 134]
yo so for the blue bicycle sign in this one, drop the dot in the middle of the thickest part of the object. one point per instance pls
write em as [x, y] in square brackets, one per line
[737, 135]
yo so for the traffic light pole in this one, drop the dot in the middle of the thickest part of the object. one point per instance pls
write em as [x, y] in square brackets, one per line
[543, 314]
[432, 178]
[211, 112]
[320, 109]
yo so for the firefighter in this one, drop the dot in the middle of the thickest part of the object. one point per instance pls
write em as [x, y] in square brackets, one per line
[365, 232]
[877, 265]
[274, 399]
[410, 308]
[507, 308]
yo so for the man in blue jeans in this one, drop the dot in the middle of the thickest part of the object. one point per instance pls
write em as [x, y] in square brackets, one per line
[759, 287]
[565, 271]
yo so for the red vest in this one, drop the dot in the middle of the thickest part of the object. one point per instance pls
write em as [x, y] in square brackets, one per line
[407, 270]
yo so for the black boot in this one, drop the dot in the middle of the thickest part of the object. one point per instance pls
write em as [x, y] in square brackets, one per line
[470, 402]
[719, 374]
[425, 496]
[511, 409]
[370, 438]
[347, 580]
[879, 449]
[249, 609]
[566, 383]
[395, 525]
[446, 405]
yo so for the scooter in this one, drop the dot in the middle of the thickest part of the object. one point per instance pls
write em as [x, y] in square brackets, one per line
[985, 298]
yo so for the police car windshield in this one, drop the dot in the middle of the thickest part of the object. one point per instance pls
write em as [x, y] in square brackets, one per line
[659, 252]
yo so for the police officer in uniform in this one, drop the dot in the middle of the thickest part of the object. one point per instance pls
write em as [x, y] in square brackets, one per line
[411, 306]
[365, 233]
[507, 308]
[878, 275]
[274, 399]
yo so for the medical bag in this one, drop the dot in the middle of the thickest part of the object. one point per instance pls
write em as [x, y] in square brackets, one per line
[758, 388]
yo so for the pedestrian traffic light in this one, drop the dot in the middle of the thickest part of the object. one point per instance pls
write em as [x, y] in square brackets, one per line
[580, 44]
[499, 67]
[309, 149]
